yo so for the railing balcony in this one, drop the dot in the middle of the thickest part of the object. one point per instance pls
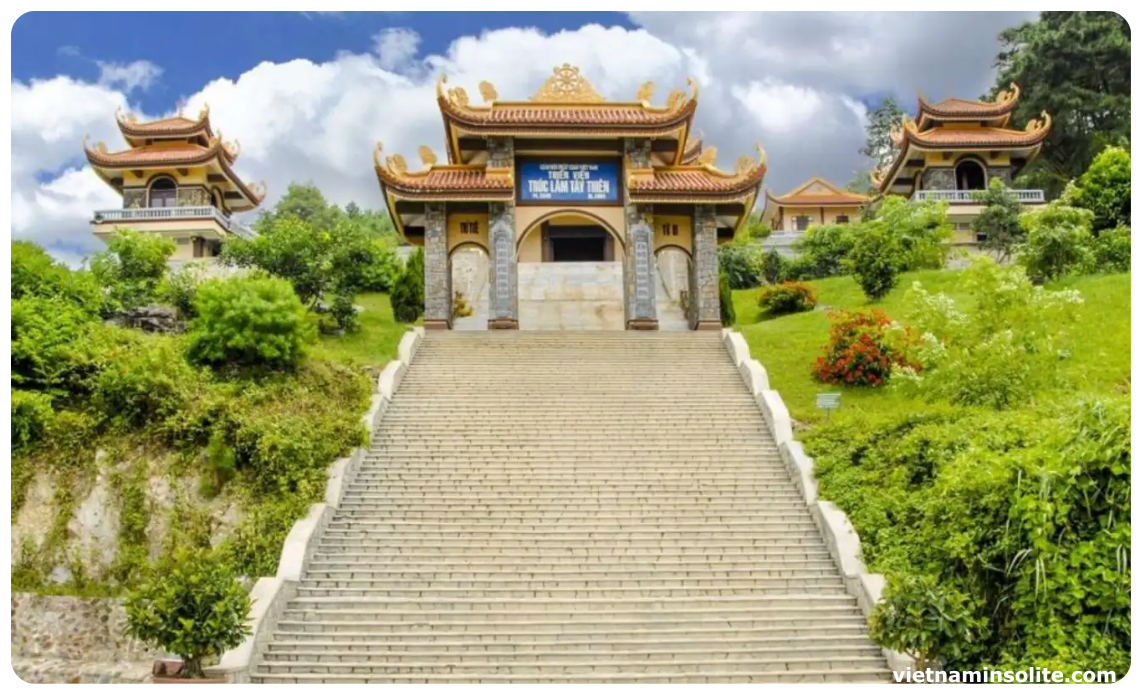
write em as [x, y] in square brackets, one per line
[157, 214]
[968, 196]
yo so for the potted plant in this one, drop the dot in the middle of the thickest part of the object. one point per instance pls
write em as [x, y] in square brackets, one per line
[190, 604]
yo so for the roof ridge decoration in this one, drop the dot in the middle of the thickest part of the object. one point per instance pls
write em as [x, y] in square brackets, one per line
[427, 156]
[567, 85]
[488, 92]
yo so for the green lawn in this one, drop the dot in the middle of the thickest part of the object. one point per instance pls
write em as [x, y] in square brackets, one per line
[374, 344]
[788, 346]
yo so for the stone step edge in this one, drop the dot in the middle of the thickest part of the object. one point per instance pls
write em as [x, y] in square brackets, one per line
[270, 594]
[838, 533]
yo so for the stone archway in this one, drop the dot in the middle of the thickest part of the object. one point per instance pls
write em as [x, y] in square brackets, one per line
[673, 268]
[470, 266]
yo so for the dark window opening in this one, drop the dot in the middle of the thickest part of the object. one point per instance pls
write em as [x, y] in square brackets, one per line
[981, 237]
[565, 244]
[802, 222]
[970, 175]
[163, 193]
[842, 219]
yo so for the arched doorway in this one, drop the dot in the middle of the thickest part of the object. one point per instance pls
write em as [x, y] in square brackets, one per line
[470, 287]
[970, 175]
[570, 274]
[672, 270]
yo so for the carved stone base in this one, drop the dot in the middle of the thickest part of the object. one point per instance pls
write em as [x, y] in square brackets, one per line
[709, 325]
[641, 324]
[437, 325]
[502, 324]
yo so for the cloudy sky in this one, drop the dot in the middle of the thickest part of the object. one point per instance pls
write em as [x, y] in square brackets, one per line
[308, 95]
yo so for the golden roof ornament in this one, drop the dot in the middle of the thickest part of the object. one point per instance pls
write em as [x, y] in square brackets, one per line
[676, 100]
[458, 96]
[397, 165]
[259, 189]
[645, 93]
[487, 91]
[377, 160]
[746, 165]
[1037, 125]
[707, 157]
[567, 85]
[125, 117]
[232, 148]
[204, 113]
[427, 156]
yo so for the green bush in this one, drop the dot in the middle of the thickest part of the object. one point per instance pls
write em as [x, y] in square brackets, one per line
[821, 251]
[59, 347]
[254, 546]
[191, 604]
[921, 230]
[34, 273]
[727, 310]
[408, 291]
[146, 384]
[1025, 513]
[1112, 249]
[180, 288]
[999, 220]
[31, 417]
[249, 321]
[1105, 189]
[381, 274]
[787, 297]
[876, 260]
[1058, 240]
[774, 267]
[742, 263]
[925, 620]
[131, 267]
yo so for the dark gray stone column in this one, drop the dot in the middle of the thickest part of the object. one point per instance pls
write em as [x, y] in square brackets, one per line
[1002, 173]
[504, 268]
[437, 273]
[706, 301]
[939, 178]
[640, 303]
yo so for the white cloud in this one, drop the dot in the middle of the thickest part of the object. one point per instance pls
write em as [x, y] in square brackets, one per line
[763, 79]
[138, 74]
[396, 47]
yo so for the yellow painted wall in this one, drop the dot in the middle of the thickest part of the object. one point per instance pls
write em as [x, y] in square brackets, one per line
[194, 176]
[935, 159]
[455, 236]
[173, 229]
[830, 215]
[684, 237]
[526, 216]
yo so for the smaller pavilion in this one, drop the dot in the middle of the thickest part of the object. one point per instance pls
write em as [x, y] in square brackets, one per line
[816, 201]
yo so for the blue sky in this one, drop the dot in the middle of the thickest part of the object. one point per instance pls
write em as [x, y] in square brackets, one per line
[309, 95]
[45, 44]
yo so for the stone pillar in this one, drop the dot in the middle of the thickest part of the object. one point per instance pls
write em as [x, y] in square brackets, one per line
[938, 178]
[640, 303]
[1002, 173]
[504, 268]
[437, 273]
[706, 301]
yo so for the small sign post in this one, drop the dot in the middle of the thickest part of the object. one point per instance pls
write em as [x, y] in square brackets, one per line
[827, 402]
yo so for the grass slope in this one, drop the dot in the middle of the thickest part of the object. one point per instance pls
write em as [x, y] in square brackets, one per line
[374, 344]
[788, 346]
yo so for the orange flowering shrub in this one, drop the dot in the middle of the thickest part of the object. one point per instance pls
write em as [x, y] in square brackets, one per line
[858, 352]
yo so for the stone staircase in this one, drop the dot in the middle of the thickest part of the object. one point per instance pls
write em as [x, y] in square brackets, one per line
[571, 507]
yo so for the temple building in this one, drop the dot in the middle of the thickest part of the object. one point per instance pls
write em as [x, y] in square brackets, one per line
[954, 147]
[177, 180]
[816, 201]
[568, 211]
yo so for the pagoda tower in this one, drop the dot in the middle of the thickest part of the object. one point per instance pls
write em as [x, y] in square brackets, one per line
[952, 150]
[548, 185]
[177, 181]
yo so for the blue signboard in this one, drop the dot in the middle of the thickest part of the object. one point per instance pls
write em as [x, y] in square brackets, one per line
[568, 181]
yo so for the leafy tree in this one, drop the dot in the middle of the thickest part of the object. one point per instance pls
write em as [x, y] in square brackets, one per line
[323, 265]
[821, 250]
[880, 148]
[742, 262]
[774, 266]
[190, 604]
[132, 267]
[1106, 189]
[304, 202]
[1058, 240]
[1113, 250]
[922, 229]
[998, 220]
[862, 184]
[408, 290]
[249, 321]
[876, 260]
[35, 273]
[1076, 66]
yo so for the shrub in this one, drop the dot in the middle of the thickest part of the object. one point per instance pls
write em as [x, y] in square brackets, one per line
[191, 604]
[34, 273]
[727, 310]
[180, 289]
[822, 250]
[924, 619]
[254, 546]
[31, 417]
[1058, 241]
[381, 273]
[921, 230]
[131, 267]
[787, 297]
[408, 291]
[1112, 249]
[742, 263]
[876, 260]
[857, 353]
[999, 220]
[343, 311]
[997, 355]
[146, 384]
[249, 321]
[774, 267]
[1105, 189]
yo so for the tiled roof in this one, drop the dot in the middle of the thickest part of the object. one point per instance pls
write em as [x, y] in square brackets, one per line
[178, 155]
[448, 180]
[977, 137]
[808, 199]
[690, 181]
[966, 108]
[554, 115]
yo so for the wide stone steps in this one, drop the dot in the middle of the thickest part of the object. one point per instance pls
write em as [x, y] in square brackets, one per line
[570, 507]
